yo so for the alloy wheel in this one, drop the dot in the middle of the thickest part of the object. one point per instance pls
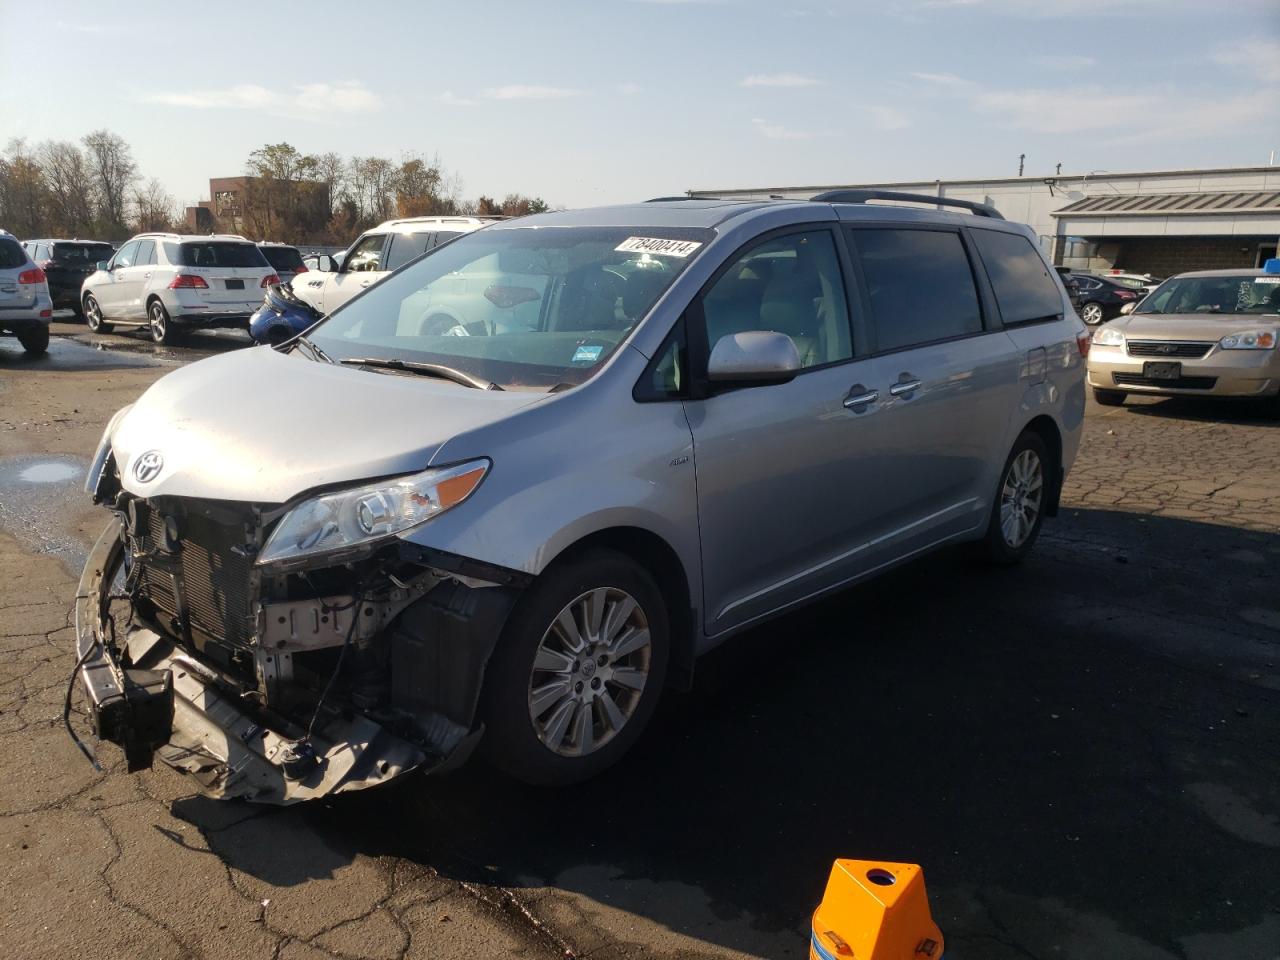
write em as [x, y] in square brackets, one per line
[158, 322]
[1091, 314]
[92, 313]
[1021, 495]
[589, 671]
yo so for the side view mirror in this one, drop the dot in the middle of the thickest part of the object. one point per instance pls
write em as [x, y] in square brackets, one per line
[104, 264]
[1127, 308]
[754, 356]
[326, 265]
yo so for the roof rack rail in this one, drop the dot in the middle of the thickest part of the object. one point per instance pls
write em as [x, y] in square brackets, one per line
[862, 196]
[669, 199]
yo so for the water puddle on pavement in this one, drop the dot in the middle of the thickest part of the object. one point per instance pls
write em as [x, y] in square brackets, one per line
[35, 493]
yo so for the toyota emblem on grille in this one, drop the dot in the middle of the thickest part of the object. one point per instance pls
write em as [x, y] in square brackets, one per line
[148, 466]
[1168, 348]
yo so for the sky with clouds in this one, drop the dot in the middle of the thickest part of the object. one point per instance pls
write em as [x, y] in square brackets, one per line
[594, 101]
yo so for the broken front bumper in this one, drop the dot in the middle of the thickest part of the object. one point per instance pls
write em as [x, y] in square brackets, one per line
[152, 698]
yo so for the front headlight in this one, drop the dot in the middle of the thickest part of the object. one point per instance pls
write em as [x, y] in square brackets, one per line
[1250, 340]
[94, 477]
[1108, 337]
[376, 511]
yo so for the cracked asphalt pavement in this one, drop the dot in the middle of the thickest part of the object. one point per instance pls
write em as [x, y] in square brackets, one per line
[1081, 752]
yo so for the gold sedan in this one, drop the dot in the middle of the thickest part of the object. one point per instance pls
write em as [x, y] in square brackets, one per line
[1211, 333]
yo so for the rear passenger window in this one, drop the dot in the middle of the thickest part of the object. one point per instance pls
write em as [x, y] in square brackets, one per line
[406, 246]
[1024, 290]
[792, 285]
[920, 285]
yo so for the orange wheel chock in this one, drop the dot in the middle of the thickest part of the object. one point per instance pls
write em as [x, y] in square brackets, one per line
[875, 911]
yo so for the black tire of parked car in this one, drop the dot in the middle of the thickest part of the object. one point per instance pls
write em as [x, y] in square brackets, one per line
[511, 742]
[1109, 398]
[1092, 313]
[993, 545]
[160, 326]
[92, 312]
[35, 341]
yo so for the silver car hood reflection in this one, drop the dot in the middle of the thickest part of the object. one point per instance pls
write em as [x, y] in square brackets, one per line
[257, 425]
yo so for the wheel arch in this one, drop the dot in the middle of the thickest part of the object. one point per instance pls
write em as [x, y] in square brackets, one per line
[1050, 434]
[663, 563]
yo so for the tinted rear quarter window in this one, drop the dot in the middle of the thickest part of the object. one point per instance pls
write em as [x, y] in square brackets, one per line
[221, 254]
[920, 284]
[11, 253]
[283, 258]
[1024, 290]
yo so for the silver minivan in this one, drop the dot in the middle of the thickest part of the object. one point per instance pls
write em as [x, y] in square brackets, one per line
[505, 496]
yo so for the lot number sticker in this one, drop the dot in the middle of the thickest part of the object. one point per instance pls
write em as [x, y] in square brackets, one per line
[658, 246]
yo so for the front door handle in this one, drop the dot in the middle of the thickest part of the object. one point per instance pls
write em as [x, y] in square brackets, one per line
[365, 283]
[860, 398]
[904, 387]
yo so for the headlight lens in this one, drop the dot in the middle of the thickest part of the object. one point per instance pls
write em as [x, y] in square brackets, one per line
[348, 518]
[1250, 340]
[1108, 337]
[99, 461]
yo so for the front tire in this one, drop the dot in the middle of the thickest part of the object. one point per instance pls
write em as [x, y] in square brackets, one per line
[35, 341]
[578, 671]
[158, 322]
[1108, 398]
[93, 315]
[1092, 314]
[1021, 497]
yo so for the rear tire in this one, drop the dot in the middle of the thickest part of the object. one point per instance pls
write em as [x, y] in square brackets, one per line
[1108, 398]
[93, 315]
[1092, 314]
[159, 324]
[35, 341]
[563, 703]
[1021, 497]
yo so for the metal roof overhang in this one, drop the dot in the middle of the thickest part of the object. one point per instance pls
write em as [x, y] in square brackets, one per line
[1224, 214]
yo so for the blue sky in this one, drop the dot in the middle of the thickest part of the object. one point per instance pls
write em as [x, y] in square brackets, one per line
[586, 102]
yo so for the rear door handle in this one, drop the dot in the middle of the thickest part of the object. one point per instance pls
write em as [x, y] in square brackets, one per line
[904, 387]
[860, 397]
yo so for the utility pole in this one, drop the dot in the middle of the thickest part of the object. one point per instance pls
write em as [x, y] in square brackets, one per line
[1021, 160]
[1058, 169]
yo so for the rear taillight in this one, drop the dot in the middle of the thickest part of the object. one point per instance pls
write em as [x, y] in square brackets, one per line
[188, 281]
[1082, 343]
[270, 280]
[46, 314]
[1126, 295]
[299, 269]
[31, 276]
[45, 264]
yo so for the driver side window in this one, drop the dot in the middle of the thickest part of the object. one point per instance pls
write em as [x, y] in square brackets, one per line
[366, 256]
[126, 256]
[791, 284]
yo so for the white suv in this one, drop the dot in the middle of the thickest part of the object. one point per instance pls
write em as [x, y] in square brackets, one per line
[166, 281]
[375, 254]
[25, 305]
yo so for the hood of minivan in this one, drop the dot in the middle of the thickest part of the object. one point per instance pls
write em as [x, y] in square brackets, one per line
[1190, 326]
[261, 426]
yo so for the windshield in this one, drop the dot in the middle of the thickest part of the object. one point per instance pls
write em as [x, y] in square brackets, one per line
[1229, 295]
[527, 307]
[82, 252]
[221, 254]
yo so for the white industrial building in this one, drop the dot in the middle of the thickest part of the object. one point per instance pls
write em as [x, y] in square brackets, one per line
[1158, 222]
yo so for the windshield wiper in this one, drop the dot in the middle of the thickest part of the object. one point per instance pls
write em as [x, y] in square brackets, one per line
[314, 348]
[426, 369]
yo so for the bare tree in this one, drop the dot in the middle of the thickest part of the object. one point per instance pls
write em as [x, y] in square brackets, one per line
[114, 172]
[372, 182]
[154, 207]
[23, 195]
[69, 182]
[331, 170]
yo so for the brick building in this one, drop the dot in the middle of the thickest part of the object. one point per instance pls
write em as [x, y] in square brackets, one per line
[1161, 222]
[246, 205]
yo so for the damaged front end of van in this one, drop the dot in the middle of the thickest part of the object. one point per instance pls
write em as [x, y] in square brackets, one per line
[284, 652]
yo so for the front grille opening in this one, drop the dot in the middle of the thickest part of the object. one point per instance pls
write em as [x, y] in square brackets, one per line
[1181, 383]
[1180, 349]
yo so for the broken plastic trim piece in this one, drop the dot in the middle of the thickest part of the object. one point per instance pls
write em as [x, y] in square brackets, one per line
[212, 737]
